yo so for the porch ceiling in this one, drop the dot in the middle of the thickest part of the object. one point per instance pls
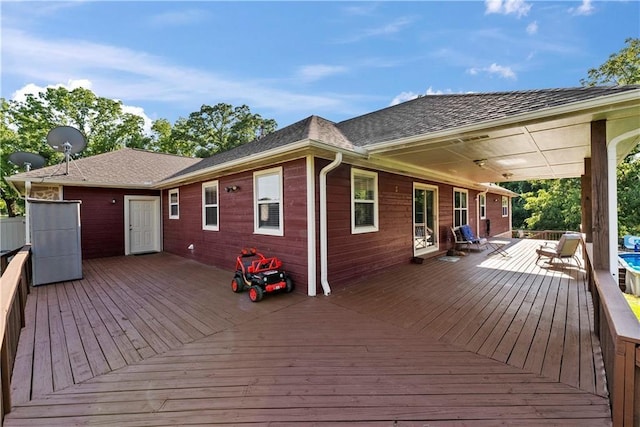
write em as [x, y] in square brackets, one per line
[542, 148]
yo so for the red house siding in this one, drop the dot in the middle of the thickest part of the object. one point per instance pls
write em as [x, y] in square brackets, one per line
[236, 231]
[499, 224]
[102, 222]
[353, 256]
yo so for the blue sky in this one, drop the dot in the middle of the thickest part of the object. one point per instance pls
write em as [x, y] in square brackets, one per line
[288, 60]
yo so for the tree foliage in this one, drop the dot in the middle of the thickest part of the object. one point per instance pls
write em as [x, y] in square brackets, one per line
[554, 205]
[214, 129]
[622, 68]
[629, 194]
[25, 125]
[106, 126]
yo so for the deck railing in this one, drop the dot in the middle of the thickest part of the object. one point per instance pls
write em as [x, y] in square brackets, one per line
[14, 287]
[540, 234]
[619, 333]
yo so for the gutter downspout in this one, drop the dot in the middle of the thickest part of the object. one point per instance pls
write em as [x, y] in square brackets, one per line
[311, 228]
[323, 223]
[27, 212]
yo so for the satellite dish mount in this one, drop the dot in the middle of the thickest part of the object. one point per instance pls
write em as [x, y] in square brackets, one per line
[67, 140]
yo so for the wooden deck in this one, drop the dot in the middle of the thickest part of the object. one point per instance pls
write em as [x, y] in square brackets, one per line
[161, 340]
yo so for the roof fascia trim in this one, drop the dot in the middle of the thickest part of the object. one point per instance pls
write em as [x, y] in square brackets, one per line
[44, 181]
[284, 149]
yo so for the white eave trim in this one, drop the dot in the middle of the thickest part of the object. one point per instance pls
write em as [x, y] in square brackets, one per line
[285, 149]
[46, 181]
[576, 107]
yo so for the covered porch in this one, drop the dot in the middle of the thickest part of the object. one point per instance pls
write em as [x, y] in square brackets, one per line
[162, 340]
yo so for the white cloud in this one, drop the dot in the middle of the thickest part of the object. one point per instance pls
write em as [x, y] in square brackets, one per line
[384, 30]
[586, 8]
[137, 77]
[362, 9]
[408, 96]
[532, 28]
[33, 89]
[507, 7]
[310, 73]
[403, 97]
[139, 111]
[430, 91]
[177, 18]
[494, 69]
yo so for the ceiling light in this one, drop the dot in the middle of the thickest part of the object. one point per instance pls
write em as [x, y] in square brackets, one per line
[481, 163]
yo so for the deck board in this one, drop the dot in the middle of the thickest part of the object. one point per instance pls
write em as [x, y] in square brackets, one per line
[162, 340]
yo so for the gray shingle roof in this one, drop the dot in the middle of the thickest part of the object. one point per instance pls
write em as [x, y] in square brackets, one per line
[313, 127]
[126, 167]
[434, 113]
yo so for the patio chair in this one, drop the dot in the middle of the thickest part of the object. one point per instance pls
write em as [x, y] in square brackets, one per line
[565, 249]
[464, 236]
[631, 242]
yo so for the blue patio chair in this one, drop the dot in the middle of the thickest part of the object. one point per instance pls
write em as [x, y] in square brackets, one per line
[464, 237]
[631, 242]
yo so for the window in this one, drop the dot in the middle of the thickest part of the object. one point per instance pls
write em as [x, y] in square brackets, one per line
[482, 200]
[174, 204]
[460, 209]
[364, 206]
[505, 206]
[267, 193]
[210, 212]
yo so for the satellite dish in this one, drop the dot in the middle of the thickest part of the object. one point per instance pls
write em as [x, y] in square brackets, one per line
[28, 160]
[66, 139]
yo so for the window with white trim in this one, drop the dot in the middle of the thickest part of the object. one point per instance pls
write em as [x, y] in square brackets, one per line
[482, 201]
[267, 194]
[505, 206]
[174, 204]
[460, 207]
[210, 212]
[364, 201]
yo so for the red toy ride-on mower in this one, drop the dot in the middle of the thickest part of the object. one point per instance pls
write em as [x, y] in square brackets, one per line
[259, 274]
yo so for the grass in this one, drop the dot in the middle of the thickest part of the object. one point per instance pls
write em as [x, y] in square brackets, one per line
[634, 303]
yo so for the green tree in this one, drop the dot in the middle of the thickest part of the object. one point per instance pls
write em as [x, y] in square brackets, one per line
[629, 194]
[214, 129]
[622, 68]
[25, 125]
[8, 140]
[554, 205]
[519, 214]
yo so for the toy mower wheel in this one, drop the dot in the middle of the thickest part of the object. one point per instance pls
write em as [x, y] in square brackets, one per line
[237, 285]
[289, 287]
[255, 293]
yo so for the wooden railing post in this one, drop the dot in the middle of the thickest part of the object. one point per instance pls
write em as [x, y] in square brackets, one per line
[5, 368]
[14, 287]
[619, 332]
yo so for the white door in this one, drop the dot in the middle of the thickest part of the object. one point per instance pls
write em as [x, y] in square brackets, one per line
[142, 230]
[425, 221]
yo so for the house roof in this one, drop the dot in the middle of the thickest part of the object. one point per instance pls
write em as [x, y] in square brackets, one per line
[313, 128]
[126, 167]
[518, 135]
[433, 113]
